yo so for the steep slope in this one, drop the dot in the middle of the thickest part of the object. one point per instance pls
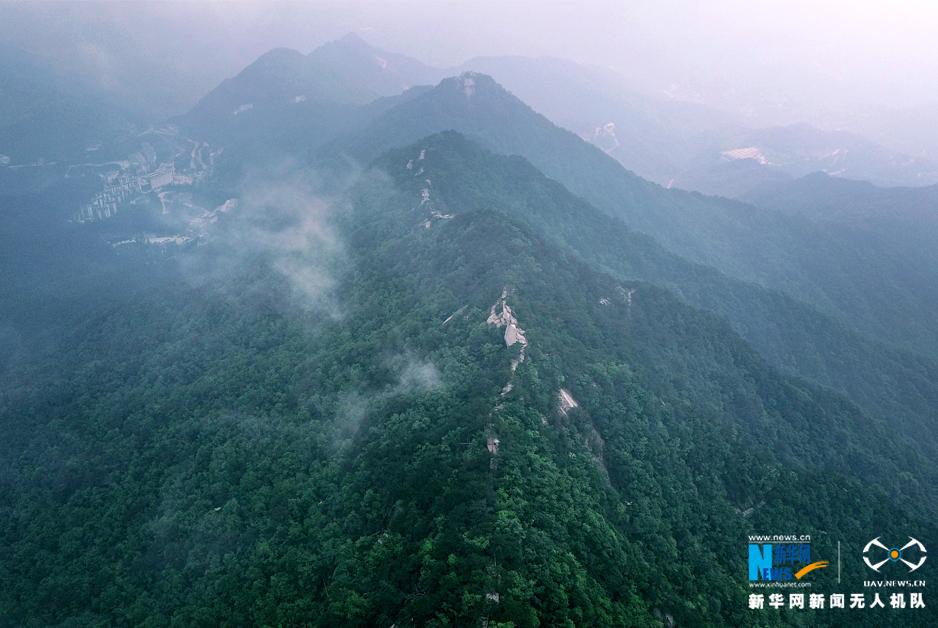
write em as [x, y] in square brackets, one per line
[490, 432]
[285, 103]
[278, 78]
[343, 72]
[899, 388]
[811, 262]
[689, 145]
[383, 72]
[793, 336]
[657, 138]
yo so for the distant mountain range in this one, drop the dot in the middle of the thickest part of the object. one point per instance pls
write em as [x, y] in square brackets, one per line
[670, 142]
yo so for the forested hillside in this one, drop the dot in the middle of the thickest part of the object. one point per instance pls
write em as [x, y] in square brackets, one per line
[827, 267]
[896, 386]
[361, 352]
[464, 422]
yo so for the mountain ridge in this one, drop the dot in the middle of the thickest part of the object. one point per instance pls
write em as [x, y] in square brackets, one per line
[256, 461]
[783, 330]
[790, 254]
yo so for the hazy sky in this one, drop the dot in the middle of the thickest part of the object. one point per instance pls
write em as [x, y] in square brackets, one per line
[749, 52]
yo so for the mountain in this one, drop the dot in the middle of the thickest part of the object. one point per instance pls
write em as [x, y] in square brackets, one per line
[823, 197]
[259, 141]
[895, 385]
[666, 140]
[410, 375]
[346, 72]
[784, 153]
[828, 268]
[462, 423]
[656, 137]
[386, 73]
[788, 333]
[902, 222]
[286, 103]
[277, 78]
[689, 145]
[909, 130]
[54, 273]
[810, 263]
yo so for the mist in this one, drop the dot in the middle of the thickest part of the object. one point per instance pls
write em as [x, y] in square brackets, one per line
[283, 225]
[758, 57]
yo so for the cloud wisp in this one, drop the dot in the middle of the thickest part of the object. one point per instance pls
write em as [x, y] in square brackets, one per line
[282, 227]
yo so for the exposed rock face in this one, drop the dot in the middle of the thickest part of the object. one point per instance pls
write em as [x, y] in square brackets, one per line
[513, 334]
[626, 295]
[466, 82]
[567, 401]
[502, 316]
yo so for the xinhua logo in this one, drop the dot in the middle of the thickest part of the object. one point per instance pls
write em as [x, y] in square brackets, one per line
[912, 549]
[772, 562]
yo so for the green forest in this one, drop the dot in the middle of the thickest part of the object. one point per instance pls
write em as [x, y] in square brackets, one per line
[349, 343]
[227, 449]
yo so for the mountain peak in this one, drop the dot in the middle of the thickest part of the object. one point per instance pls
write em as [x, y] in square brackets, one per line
[385, 73]
[277, 56]
[470, 83]
[466, 82]
[353, 39]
